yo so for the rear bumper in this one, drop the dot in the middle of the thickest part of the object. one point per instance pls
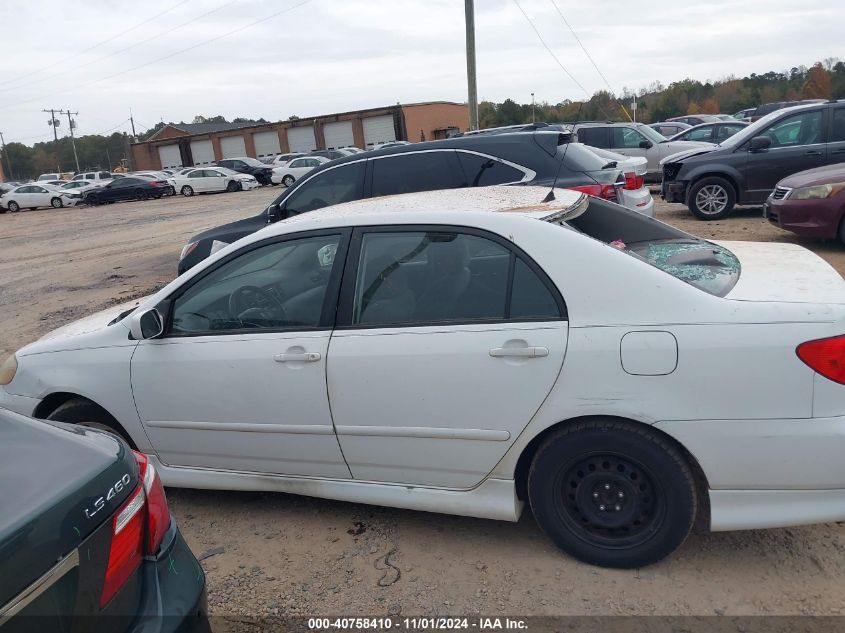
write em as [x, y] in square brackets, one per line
[174, 594]
[639, 200]
[674, 191]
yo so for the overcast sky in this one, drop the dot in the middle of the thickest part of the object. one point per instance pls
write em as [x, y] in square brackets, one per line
[103, 57]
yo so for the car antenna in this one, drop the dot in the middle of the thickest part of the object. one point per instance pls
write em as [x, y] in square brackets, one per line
[550, 197]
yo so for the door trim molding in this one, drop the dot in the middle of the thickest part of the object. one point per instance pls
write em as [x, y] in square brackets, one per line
[246, 427]
[438, 433]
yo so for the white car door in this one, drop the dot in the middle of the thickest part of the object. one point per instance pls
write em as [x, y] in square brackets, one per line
[196, 180]
[40, 197]
[446, 345]
[215, 180]
[238, 379]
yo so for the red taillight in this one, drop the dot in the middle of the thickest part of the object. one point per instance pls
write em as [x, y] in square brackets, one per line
[633, 182]
[138, 528]
[126, 545]
[826, 356]
[607, 192]
[158, 514]
[157, 183]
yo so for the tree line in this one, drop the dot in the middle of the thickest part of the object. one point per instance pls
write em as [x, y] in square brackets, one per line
[656, 102]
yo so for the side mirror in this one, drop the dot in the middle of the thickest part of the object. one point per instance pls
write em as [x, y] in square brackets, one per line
[146, 325]
[646, 144]
[274, 213]
[759, 143]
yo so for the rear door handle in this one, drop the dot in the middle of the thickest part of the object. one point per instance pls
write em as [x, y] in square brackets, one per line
[301, 357]
[519, 352]
[838, 151]
[812, 152]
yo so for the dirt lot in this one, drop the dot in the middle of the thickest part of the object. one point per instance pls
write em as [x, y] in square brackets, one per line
[282, 554]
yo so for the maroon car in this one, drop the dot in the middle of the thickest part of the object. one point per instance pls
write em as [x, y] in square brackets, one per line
[810, 203]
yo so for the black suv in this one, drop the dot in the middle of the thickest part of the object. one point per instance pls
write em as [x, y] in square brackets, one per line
[536, 158]
[245, 165]
[745, 167]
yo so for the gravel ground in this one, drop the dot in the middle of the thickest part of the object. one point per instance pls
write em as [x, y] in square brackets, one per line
[278, 554]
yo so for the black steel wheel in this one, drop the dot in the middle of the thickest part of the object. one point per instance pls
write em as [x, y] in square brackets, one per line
[612, 493]
[232, 186]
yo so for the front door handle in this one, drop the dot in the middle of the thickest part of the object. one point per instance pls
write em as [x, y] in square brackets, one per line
[301, 357]
[519, 352]
[812, 152]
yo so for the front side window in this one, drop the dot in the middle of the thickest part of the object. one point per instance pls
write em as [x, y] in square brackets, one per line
[298, 163]
[626, 137]
[415, 278]
[198, 173]
[272, 287]
[333, 186]
[699, 134]
[803, 128]
[39, 190]
[481, 171]
[416, 171]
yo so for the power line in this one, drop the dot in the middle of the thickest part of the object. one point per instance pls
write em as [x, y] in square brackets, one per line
[125, 48]
[551, 52]
[587, 53]
[111, 39]
[164, 57]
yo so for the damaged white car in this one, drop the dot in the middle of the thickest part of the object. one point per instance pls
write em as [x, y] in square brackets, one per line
[476, 352]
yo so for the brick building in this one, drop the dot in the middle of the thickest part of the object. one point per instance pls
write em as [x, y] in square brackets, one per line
[203, 143]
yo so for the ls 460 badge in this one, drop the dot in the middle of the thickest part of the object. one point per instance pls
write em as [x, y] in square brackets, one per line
[116, 489]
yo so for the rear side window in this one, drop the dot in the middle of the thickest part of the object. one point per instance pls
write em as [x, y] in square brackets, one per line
[837, 130]
[626, 137]
[595, 136]
[333, 186]
[481, 171]
[415, 278]
[419, 171]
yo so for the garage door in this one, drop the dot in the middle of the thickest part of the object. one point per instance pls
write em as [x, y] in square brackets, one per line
[202, 152]
[301, 139]
[266, 143]
[338, 134]
[232, 146]
[169, 156]
[379, 129]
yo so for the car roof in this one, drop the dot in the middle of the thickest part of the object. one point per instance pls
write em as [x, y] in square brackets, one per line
[410, 208]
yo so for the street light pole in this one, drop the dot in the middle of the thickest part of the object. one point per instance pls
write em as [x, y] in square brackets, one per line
[472, 91]
[532, 107]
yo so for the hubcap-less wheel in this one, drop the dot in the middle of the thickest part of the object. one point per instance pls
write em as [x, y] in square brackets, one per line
[711, 199]
[287, 181]
[56, 203]
[610, 501]
[232, 186]
[187, 191]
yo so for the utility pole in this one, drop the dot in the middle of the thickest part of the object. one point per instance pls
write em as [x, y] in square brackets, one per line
[6, 154]
[72, 124]
[54, 123]
[132, 121]
[471, 85]
[532, 107]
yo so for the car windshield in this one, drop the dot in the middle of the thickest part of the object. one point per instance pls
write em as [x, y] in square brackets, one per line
[650, 133]
[253, 163]
[702, 264]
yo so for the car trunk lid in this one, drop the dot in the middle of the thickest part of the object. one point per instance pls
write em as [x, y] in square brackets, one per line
[783, 272]
[60, 484]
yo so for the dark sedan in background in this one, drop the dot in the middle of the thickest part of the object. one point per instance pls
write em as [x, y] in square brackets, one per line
[86, 538]
[810, 203]
[543, 158]
[128, 188]
[246, 165]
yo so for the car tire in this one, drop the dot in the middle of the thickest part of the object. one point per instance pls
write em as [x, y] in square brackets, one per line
[170, 191]
[288, 180]
[85, 413]
[56, 203]
[14, 207]
[187, 191]
[711, 198]
[612, 493]
[232, 186]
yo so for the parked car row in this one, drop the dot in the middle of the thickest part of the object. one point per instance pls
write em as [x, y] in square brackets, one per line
[546, 158]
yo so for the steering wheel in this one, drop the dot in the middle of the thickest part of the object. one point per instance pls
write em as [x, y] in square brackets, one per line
[252, 302]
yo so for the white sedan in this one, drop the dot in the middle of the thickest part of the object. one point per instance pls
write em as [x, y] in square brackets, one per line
[36, 195]
[476, 351]
[292, 171]
[209, 179]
